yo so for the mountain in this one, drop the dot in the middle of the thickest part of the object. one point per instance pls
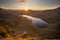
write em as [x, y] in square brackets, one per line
[12, 24]
[52, 17]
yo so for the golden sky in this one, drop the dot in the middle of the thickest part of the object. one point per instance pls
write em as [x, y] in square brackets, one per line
[29, 4]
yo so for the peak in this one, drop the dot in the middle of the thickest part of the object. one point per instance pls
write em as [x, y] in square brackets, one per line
[0, 8]
[58, 8]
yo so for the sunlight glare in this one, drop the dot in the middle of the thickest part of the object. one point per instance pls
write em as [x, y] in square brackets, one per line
[26, 9]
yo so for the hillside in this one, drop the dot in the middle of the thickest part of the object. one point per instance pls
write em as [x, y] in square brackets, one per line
[12, 24]
[52, 17]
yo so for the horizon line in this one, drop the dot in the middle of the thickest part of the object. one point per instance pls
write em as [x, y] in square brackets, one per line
[28, 9]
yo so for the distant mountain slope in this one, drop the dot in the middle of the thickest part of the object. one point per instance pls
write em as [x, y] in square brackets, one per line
[46, 15]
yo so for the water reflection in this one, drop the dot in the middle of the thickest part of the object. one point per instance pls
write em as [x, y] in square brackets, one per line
[37, 21]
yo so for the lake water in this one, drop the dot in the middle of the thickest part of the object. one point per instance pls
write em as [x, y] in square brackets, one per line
[37, 21]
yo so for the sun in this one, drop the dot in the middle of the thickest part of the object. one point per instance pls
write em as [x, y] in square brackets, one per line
[26, 9]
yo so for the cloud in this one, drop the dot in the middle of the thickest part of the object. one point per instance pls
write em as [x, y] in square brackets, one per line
[22, 0]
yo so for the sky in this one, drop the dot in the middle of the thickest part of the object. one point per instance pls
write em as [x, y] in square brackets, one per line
[29, 4]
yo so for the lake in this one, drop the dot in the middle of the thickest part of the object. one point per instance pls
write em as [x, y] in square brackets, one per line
[37, 21]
